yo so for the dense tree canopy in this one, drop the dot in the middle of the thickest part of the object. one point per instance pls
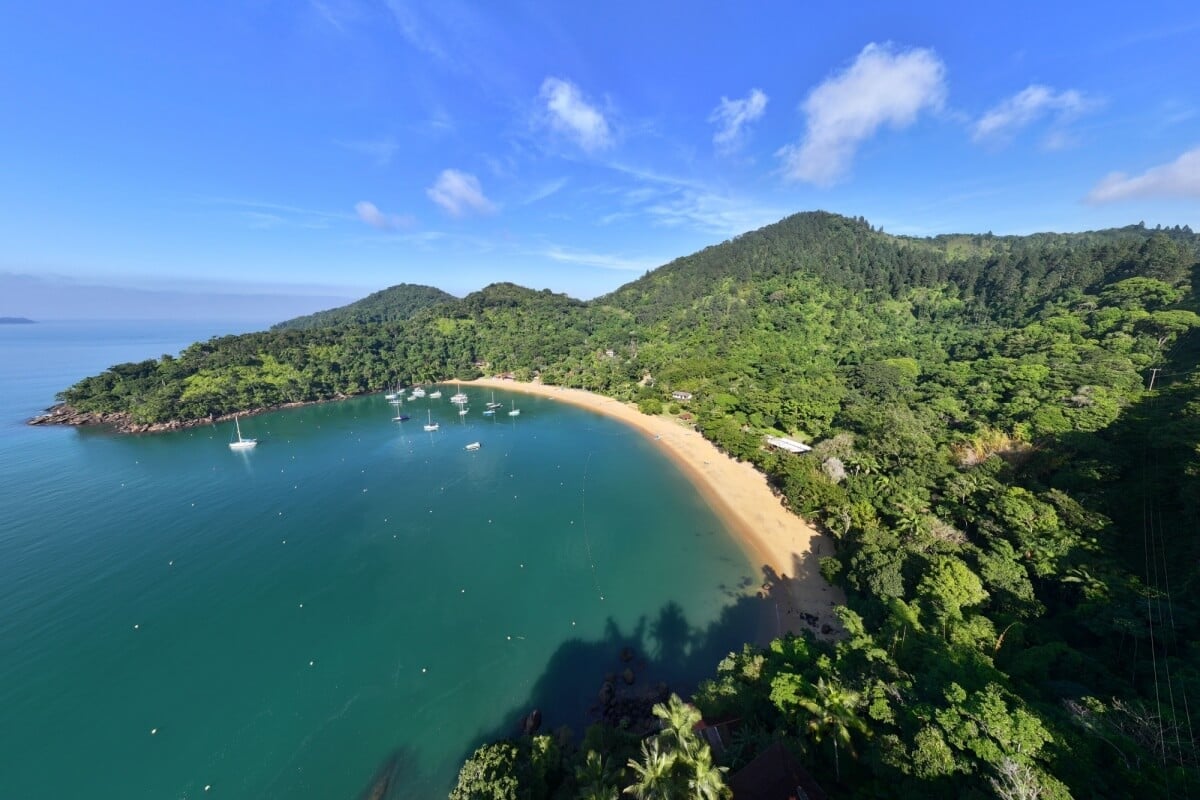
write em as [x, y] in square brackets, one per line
[1014, 508]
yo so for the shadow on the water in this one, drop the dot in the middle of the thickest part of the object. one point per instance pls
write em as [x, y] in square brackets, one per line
[398, 768]
[617, 678]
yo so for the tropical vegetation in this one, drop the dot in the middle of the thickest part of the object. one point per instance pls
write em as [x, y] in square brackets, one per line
[1006, 451]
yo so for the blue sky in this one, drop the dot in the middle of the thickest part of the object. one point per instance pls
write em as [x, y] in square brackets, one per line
[332, 147]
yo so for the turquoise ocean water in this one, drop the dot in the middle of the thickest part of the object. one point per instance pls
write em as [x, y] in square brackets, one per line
[353, 601]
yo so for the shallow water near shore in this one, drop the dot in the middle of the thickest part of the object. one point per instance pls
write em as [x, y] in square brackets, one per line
[354, 599]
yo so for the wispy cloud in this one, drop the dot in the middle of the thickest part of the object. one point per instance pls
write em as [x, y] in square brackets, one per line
[602, 260]
[459, 193]
[417, 33]
[733, 116]
[884, 86]
[264, 215]
[680, 202]
[546, 190]
[369, 213]
[1002, 122]
[1180, 178]
[713, 212]
[568, 113]
[380, 151]
[337, 13]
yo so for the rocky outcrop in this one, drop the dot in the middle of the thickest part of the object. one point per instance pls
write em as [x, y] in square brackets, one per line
[121, 422]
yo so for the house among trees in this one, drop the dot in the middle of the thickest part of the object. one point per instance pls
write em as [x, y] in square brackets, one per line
[775, 775]
[791, 445]
[681, 396]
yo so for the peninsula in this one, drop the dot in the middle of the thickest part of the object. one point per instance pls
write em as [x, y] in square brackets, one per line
[16, 321]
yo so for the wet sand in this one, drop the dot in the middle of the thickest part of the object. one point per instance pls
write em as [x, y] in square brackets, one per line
[783, 545]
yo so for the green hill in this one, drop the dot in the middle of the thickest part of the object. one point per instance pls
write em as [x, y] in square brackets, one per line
[389, 305]
[1013, 507]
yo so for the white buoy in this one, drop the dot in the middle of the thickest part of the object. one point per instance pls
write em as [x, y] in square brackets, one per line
[136, 626]
[207, 786]
[311, 663]
[154, 731]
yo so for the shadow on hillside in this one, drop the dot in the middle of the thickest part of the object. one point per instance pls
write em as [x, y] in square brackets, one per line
[664, 652]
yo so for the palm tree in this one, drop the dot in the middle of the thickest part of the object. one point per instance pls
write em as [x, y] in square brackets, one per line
[833, 710]
[679, 718]
[595, 779]
[707, 781]
[654, 778]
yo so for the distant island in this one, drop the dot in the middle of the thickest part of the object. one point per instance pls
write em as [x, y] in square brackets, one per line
[16, 321]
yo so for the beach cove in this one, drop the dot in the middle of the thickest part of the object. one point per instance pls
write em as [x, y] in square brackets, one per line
[354, 601]
[786, 547]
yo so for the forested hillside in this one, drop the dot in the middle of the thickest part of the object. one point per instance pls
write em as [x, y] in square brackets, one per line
[389, 305]
[1014, 509]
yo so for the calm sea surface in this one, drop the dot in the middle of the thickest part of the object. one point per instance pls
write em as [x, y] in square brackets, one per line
[354, 601]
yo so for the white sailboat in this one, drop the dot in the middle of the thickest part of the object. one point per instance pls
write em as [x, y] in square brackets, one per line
[430, 425]
[494, 404]
[472, 446]
[459, 398]
[462, 412]
[418, 392]
[436, 394]
[516, 412]
[241, 443]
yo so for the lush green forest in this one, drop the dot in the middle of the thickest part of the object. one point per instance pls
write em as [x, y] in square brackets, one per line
[391, 304]
[1014, 506]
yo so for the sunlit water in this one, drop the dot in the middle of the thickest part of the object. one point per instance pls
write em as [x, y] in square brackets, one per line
[354, 598]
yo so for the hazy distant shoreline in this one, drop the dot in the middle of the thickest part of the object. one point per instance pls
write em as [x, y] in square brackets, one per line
[17, 321]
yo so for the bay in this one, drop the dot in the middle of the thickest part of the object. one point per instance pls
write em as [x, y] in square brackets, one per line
[353, 600]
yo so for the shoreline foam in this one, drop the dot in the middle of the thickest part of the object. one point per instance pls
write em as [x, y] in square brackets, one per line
[781, 544]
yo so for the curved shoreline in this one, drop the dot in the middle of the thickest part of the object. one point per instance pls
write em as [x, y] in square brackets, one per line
[783, 545]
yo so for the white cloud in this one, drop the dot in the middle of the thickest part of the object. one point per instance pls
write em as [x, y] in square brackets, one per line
[732, 117]
[381, 151]
[459, 193]
[679, 202]
[1026, 107]
[1180, 178]
[417, 33]
[546, 190]
[882, 86]
[602, 260]
[369, 213]
[571, 115]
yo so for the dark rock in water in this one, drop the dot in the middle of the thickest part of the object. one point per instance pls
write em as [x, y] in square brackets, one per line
[826, 629]
[533, 722]
[661, 692]
[628, 676]
[607, 693]
[610, 677]
[626, 654]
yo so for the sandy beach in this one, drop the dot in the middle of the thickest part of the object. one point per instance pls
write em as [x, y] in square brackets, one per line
[785, 547]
